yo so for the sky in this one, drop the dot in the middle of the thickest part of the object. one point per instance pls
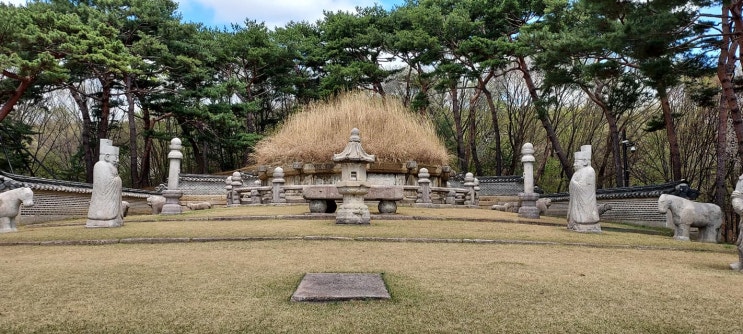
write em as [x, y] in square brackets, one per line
[275, 13]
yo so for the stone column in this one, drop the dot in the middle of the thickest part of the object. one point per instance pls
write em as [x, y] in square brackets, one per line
[255, 194]
[424, 187]
[528, 198]
[172, 194]
[278, 185]
[451, 197]
[353, 184]
[237, 182]
[469, 184]
[476, 198]
[228, 187]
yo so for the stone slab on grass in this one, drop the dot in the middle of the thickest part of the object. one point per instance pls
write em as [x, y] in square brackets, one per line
[328, 287]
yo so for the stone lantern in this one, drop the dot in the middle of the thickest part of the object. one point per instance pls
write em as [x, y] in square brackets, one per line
[353, 186]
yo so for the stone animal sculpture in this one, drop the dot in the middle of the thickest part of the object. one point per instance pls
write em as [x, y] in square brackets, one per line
[543, 204]
[156, 202]
[685, 214]
[603, 208]
[124, 208]
[199, 206]
[10, 207]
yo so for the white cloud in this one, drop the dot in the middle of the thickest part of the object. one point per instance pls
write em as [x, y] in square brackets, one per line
[272, 12]
[14, 2]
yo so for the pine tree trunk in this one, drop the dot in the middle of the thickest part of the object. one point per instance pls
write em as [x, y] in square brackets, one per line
[673, 144]
[567, 168]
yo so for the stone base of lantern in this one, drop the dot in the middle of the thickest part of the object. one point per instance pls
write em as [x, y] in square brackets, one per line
[353, 215]
[353, 210]
[172, 202]
[528, 207]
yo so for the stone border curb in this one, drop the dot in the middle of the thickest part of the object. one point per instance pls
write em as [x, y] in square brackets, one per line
[96, 242]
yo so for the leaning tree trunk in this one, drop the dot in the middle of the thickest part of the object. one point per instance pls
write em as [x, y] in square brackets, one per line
[496, 131]
[23, 86]
[461, 155]
[90, 150]
[726, 67]
[472, 125]
[673, 144]
[728, 106]
[133, 152]
[567, 168]
[612, 121]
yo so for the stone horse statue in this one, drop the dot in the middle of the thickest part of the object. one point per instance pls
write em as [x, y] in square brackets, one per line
[685, 214]
[10, 207]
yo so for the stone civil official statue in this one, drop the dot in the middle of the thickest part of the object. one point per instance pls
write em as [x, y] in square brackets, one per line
[583, 214]
[737, 201]
[105, 201]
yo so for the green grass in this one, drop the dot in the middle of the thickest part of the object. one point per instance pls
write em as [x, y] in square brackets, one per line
[438, 287]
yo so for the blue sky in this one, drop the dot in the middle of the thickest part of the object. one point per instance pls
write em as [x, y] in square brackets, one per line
[221, 13]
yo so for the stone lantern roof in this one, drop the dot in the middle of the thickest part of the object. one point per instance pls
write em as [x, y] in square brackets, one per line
[353, 151]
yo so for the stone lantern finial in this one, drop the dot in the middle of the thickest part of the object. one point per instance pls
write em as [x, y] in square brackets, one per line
[353, 150]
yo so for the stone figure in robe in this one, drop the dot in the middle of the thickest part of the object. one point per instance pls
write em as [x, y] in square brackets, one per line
[583, 215]
[105, 201]
[737, 201]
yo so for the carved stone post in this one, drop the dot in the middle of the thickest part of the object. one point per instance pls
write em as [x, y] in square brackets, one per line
[469, 184]
[172, 194]
[278, 185]
[353, 184]
[237, 181]
[228, 188]
[255, 194]
[476, 197]
[451, 197]
[528, 198]
[424, 186]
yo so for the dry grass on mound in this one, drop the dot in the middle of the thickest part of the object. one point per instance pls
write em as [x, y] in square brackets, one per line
[388, 130]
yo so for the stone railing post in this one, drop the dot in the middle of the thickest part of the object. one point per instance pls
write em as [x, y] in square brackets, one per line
[424, 186]
[172, 194]
[278, 185]
[469, 184]
[451, 197]
[528, 199]
[228, 188]
[255, 194]
[476, 193]
[237, 181]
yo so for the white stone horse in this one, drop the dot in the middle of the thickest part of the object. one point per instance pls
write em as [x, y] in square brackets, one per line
[685, 214]
[10, 207]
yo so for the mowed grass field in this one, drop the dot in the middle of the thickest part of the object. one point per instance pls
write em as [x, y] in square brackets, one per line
[518, 276]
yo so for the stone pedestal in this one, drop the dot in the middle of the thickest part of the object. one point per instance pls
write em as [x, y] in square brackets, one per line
[528, 205]
[172, 202]
[353, 210]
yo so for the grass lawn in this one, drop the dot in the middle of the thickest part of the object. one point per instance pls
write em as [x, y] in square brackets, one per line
[542, 278]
